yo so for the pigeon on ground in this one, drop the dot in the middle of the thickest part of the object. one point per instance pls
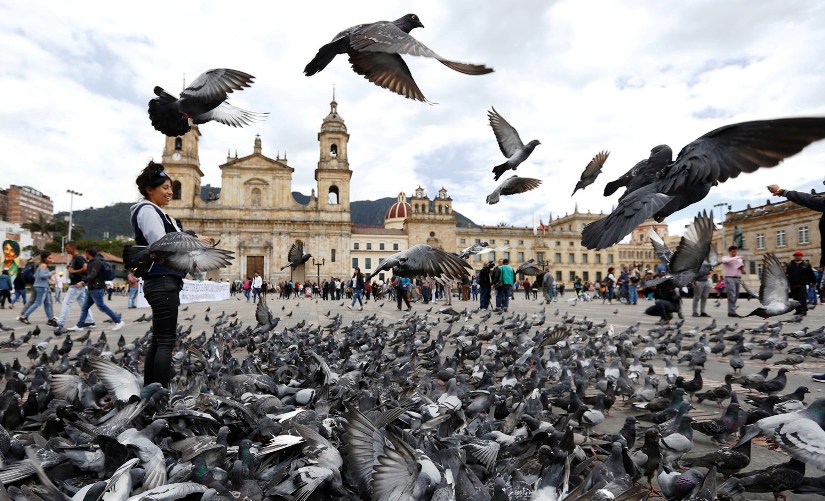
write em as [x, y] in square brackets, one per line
[511, 146]
[775, 479]
[727, 459]
[375, 50]
[659, 186]
[513, 185]
[203, 101]
[178, 251]
[773, 289]
[592, 171]
[425, 260]
[296, 255]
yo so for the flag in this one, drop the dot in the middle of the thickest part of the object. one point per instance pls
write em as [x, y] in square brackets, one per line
[535, 230]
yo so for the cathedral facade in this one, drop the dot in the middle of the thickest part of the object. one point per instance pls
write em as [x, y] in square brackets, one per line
[256, 216]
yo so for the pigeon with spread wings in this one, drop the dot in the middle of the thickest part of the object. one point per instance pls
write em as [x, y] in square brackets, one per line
[591, 171]
[659, 186]
[510, 145]
[296, 255]
[684, 265]
[773, 290]
[178, 251]
[203, 101]
[425, 260]
[513, 185]
[375, 51]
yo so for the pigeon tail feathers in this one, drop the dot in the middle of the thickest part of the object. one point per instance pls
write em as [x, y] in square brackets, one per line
[165, 116]
[499, 170]
[325, 55]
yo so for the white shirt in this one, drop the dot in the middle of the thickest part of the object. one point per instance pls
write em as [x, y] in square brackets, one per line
[61, 280]
[257, 282]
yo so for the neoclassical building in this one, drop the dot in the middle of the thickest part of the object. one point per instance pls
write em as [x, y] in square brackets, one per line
[255, 215]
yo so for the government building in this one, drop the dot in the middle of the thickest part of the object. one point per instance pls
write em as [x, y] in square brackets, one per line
[255, 215]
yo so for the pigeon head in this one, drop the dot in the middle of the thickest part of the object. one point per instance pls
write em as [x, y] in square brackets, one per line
[816, 411]
[408, 23]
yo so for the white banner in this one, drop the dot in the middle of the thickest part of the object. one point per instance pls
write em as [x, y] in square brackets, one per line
[193, 292]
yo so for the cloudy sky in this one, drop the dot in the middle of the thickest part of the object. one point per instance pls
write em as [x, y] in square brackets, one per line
[579, 76]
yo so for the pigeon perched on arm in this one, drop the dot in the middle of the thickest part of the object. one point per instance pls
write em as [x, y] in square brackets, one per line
[510, 144]
[591, 171]
[773, 289]
[203, 101]
[660, 186]
[178, 251]
[375, 50]
[296, 255]
[513, 185]
[425, 260]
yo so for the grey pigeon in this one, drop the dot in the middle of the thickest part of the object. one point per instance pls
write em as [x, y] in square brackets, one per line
[375, 50]
[266, 319]
[510, 144]
[513, 185]
[659, 186]
[773, 289]
[425, 260]
[179, 251]
[475, 249]
[685, 264]
[529, 268]
[203, 101]
[296, 255]
[591, 171]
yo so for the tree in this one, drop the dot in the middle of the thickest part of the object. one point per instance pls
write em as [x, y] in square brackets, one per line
[40, 224]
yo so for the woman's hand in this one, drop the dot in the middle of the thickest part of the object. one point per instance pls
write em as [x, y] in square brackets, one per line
[207, 240]
[775, 190]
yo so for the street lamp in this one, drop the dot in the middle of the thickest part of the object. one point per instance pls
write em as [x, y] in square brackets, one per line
[318, 266]
[722, 219]
[71, 193]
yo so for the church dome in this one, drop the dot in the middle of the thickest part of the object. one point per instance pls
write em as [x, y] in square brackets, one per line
[398, 210]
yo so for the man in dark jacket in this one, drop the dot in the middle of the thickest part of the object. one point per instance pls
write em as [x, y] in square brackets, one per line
[96, 287]
[813, 202]
[800, 276]
[484, 286]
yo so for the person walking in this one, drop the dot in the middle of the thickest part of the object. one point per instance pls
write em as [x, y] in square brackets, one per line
[484, 286]
[401, 291]
[732, 268]
[527, 287]
[357, 289]
[813, 202]
[60, 283]
[96, 286]
[609, 282]
[800, 276]
[42, 292]
[19, 291]
[257, 282]
[633, 285]
[247, 288]
[77, 273]
[5, 289]
[133, 284]
[507, 277]
[474, 289]
[701, 290]
[547, 283]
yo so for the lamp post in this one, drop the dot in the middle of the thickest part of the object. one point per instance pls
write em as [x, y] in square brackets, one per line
[722, 220]
[318, 267]
[71, 193]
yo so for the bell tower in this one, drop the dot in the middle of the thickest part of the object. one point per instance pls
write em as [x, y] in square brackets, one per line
[180, 161]
[333, 174]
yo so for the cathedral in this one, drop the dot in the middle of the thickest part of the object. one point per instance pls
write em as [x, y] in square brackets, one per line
[256, 216]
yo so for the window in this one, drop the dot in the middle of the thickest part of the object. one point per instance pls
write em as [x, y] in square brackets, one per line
[178, 144]
[256, 197]
[356, 246]
[506, 241]
[558, 275]
[571, 258]
[584, 258]
[540, 257]
[610, 259]
[521, 242]
[760, 240]
[507, 255]
[395, 247]
[492, 241]
[432, 234]
[803, 235]
[478, 240]
[175, 190]
[332, 198]
[381, 246]
[558, 257]
[586, 276]
[558, 244]
[478, 257]
[333, 150]
[332, 256]
[355, 262]
[463, 241]
[369, 246]
[752, 267]
[781, 238]
[367, 263]
[520, 257]
[572, 276]
[570, 244]
[598, 259]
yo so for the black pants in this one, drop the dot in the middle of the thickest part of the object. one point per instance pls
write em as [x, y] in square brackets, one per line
[800, 293]
[661, 308]
[5, 295]
[400, 295]
[162, 294]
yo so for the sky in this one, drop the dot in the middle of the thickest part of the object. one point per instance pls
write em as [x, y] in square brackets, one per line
[579, 76]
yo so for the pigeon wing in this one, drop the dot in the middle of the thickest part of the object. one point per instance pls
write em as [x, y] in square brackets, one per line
[263, 314]
[803, 439]
[388, 71]
[119, 381]
[230, 115]
[728, 151]
[694, 246]
[365, 442]
[209, 258]
[508, 139]
[296, 252]
[394, 476]
[659, 247]
[632, 211]
[592, 170]
[774, 286]
[515, 185]
[423, 259]
[215, 84]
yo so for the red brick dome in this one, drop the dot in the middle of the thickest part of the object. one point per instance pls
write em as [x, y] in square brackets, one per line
[398, 210]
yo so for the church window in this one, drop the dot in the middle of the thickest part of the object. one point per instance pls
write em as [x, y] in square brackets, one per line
[381, 246]
[333, 256]
[416, 208]
[395, 247]
[333, 150]
[356, 246]
[432, 234]
[332, 199]
[175, 190]
[558, 275]
[255, 197]
[178, 144]
[446, 209]
[439, 209]
[369, 246]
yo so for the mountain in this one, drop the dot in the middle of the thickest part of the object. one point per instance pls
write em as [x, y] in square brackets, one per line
[113, 221]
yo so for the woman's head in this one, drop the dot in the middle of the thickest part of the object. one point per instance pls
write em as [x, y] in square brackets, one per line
[11, 249]
[154, 184]
[44, 256]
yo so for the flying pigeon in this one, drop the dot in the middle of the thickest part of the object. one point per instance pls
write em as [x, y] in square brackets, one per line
[375, 50]
[513, 185]
[693, 251]
[592, 171]
[203, 101]
[659, 186]
[179, 251]
[529, 268]
[773, 290]
[511, 146]
[296, 255]
[425, 260]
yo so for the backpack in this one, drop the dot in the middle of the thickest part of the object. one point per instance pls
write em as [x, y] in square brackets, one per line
[107, 272]
[28, 274]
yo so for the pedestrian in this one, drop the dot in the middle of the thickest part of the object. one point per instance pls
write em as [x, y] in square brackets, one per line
[247, 287]
[507, 277]
[19, 291]
[110, 289]
[60, 284]
[527, 289]
[484, 286]
[633, 285]
[257, 281]
[800, 275]
[5, 289]
[813, 202]
[474, 289]
[357, 289]
[667, 302]
[577, 286]
[701, 290]
[732, 268]
[264, 288]
[547, 283]
[42, 292]
[133, 283]
[96, 286]
[608, 284]
[623, 283]
[401, 285]
[77, 273]
[448, 293]
[53, 283]
[161, 286]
